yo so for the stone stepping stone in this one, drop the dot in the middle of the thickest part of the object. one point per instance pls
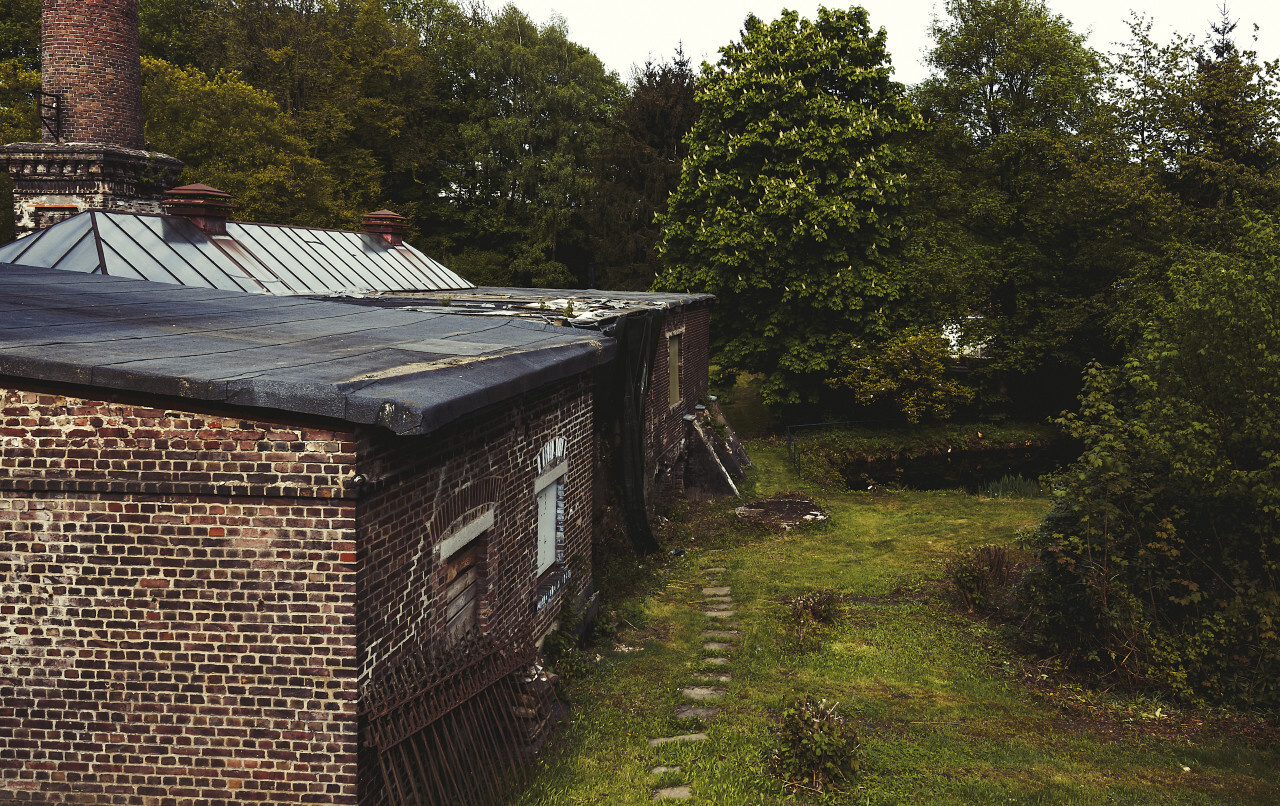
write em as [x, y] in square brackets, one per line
[696, 712]
[719, 678]
[701, 693]
[659, 770]
[715, 591]
[716, 646]
[720, 613]
[721, 633]
[719, 605]
[683, 792]
[716, 570]
[716, 661]
[687, 737]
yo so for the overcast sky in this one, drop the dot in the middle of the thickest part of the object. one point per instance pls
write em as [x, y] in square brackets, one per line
[625, 34]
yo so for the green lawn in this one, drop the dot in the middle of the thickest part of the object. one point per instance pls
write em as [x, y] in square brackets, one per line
[947, 714]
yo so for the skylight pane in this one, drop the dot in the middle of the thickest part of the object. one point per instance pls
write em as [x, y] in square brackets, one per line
[283, 252]
[191, 245]
[54, 243]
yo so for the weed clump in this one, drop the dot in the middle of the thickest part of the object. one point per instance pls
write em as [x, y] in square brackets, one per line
[818, 747]
[985, 580]
[1013, 486]
[808, 612]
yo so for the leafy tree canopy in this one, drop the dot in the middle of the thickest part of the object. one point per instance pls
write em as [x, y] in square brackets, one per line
[234, 137]
[636, 169]
[790, 203]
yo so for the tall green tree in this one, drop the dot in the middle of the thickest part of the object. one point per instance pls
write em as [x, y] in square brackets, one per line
[20, 33]
[1205, 120]
[1031, 210]
[19, 123]
[233, 136]
[635, 171]
[790, 203]
[535, 107]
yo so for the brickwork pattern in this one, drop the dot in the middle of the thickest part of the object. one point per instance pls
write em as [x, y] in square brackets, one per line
[418, 488]
[177, 607]
[89, 52]
[665, 429]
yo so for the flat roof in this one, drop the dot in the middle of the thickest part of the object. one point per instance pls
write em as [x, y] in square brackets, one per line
[409, 371]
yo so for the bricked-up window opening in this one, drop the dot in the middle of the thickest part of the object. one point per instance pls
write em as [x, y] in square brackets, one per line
[550, 524]
[674, 365]
[464, 585]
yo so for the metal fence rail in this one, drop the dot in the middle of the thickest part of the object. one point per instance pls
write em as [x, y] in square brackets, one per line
[459, 726]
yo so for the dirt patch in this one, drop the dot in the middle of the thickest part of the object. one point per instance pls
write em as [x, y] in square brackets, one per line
[782, 511]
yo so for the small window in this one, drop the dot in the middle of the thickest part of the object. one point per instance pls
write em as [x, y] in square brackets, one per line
[550, 523]
[673, 367]
[462, 589]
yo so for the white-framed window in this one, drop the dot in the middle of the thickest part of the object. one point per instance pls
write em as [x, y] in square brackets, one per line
[548, 491]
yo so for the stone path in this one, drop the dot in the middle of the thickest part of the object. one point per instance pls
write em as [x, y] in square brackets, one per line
[720, 638]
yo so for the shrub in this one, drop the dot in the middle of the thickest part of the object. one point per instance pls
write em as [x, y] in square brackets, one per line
[809, 611]
[1161, 557]
[983, 580]
[907, 374]
[818, 747]
[1015, 486]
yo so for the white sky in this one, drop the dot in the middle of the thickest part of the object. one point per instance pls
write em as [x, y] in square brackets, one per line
[625, 34]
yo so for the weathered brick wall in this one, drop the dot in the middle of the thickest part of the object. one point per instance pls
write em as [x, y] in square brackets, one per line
[177, 607]
[89, 51]
[418, 488]
[665, 428]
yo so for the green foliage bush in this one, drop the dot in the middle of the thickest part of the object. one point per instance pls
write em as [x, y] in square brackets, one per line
[1161, 558]
[818, 748]
[983, 580]
[908, 374]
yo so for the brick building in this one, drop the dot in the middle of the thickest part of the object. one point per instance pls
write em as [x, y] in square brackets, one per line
[234, 525]
[655, 389]
[285, 512]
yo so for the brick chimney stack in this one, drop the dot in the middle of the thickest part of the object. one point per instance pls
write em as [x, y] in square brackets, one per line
[90, 57]
[92, 156]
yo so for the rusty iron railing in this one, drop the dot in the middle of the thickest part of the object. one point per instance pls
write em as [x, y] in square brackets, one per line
[459, 725]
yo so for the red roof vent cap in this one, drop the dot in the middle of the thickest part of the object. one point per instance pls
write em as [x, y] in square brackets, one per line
[206, 207]
[391, 226]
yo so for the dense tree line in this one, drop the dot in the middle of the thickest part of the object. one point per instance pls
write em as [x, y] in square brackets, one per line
[509, 147]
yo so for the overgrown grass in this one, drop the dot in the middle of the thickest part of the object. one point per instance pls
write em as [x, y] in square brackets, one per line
[945, 713]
